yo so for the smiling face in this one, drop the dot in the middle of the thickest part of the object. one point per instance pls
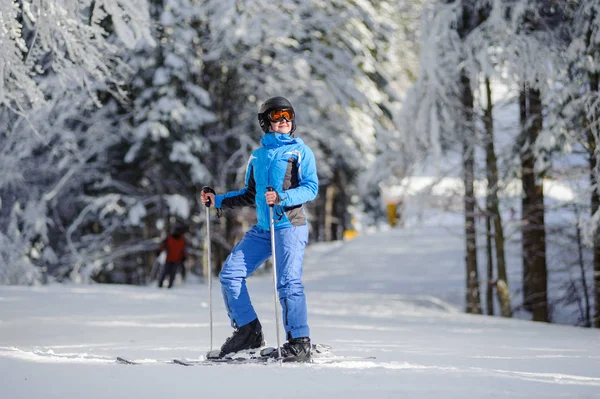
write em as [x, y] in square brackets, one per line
[281, 120]
[282, 126]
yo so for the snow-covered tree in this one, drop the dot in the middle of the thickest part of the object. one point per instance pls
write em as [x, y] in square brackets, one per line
[578, 113]
[546, 49]
[66, 39]
[46, 161]
[336, 61]
[153, 174]
[439, 111]
[187, 117]
[54, 59]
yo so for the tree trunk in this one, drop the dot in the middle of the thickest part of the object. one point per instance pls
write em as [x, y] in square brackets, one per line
[535, 279]
[489, 140]
[330, 194]
[586, 310]
[341, 204]
[493, 208]
[318, 219]
[473, 299]
[489, 293]
[470, 19]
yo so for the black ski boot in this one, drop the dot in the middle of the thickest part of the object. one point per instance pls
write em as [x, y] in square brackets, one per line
[295, 350]
[248, 336]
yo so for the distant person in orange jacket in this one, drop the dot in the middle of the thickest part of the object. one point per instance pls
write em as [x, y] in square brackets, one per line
[176, 256]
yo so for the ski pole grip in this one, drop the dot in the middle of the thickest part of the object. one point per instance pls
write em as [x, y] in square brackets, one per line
[270, 188]
[207, 189]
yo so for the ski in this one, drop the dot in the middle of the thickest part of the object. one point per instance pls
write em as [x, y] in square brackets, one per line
[270, 360]
[255, 360]
[322, 354]
[122, 360]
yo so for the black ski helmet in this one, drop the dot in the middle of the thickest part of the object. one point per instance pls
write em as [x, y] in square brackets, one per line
[269, 105]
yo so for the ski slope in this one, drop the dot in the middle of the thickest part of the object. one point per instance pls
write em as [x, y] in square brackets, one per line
[396, 295]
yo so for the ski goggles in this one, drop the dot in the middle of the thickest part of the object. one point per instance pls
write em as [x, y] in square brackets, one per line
[277, 115]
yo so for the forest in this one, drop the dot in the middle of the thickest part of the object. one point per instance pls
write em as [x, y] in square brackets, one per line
[115, 113]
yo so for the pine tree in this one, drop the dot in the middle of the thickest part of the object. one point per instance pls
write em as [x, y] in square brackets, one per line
[56, 58]
[154, 173]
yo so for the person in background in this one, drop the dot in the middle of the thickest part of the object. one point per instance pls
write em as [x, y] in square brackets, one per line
[288, 165]
[175, 247]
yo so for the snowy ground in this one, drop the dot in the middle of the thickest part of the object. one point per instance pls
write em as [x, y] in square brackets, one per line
[395, 295]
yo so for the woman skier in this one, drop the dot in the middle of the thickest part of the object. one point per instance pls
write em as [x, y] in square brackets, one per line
[288, 165]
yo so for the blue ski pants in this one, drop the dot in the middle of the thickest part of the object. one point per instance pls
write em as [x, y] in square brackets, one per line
[247, 255]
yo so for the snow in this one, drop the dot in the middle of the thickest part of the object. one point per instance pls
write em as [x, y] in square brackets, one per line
[136, 214]
[178, 205]
[447, 186]
[396, 295]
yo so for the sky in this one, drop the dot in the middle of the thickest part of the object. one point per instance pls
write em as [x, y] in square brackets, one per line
[395, 294]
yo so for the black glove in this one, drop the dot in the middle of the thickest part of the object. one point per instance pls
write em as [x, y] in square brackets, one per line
[208, 189]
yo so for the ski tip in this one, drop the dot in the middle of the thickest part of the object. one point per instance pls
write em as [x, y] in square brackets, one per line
[182, 362]
[122, 360]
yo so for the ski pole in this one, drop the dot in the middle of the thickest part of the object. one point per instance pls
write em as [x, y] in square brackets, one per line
[207, 189]
[272, 227]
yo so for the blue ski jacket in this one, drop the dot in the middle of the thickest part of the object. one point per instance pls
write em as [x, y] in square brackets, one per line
[286, 164]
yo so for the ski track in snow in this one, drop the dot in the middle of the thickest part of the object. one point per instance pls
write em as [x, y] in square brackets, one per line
[50, 356]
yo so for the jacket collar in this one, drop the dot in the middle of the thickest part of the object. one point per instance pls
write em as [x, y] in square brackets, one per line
[272, 139]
